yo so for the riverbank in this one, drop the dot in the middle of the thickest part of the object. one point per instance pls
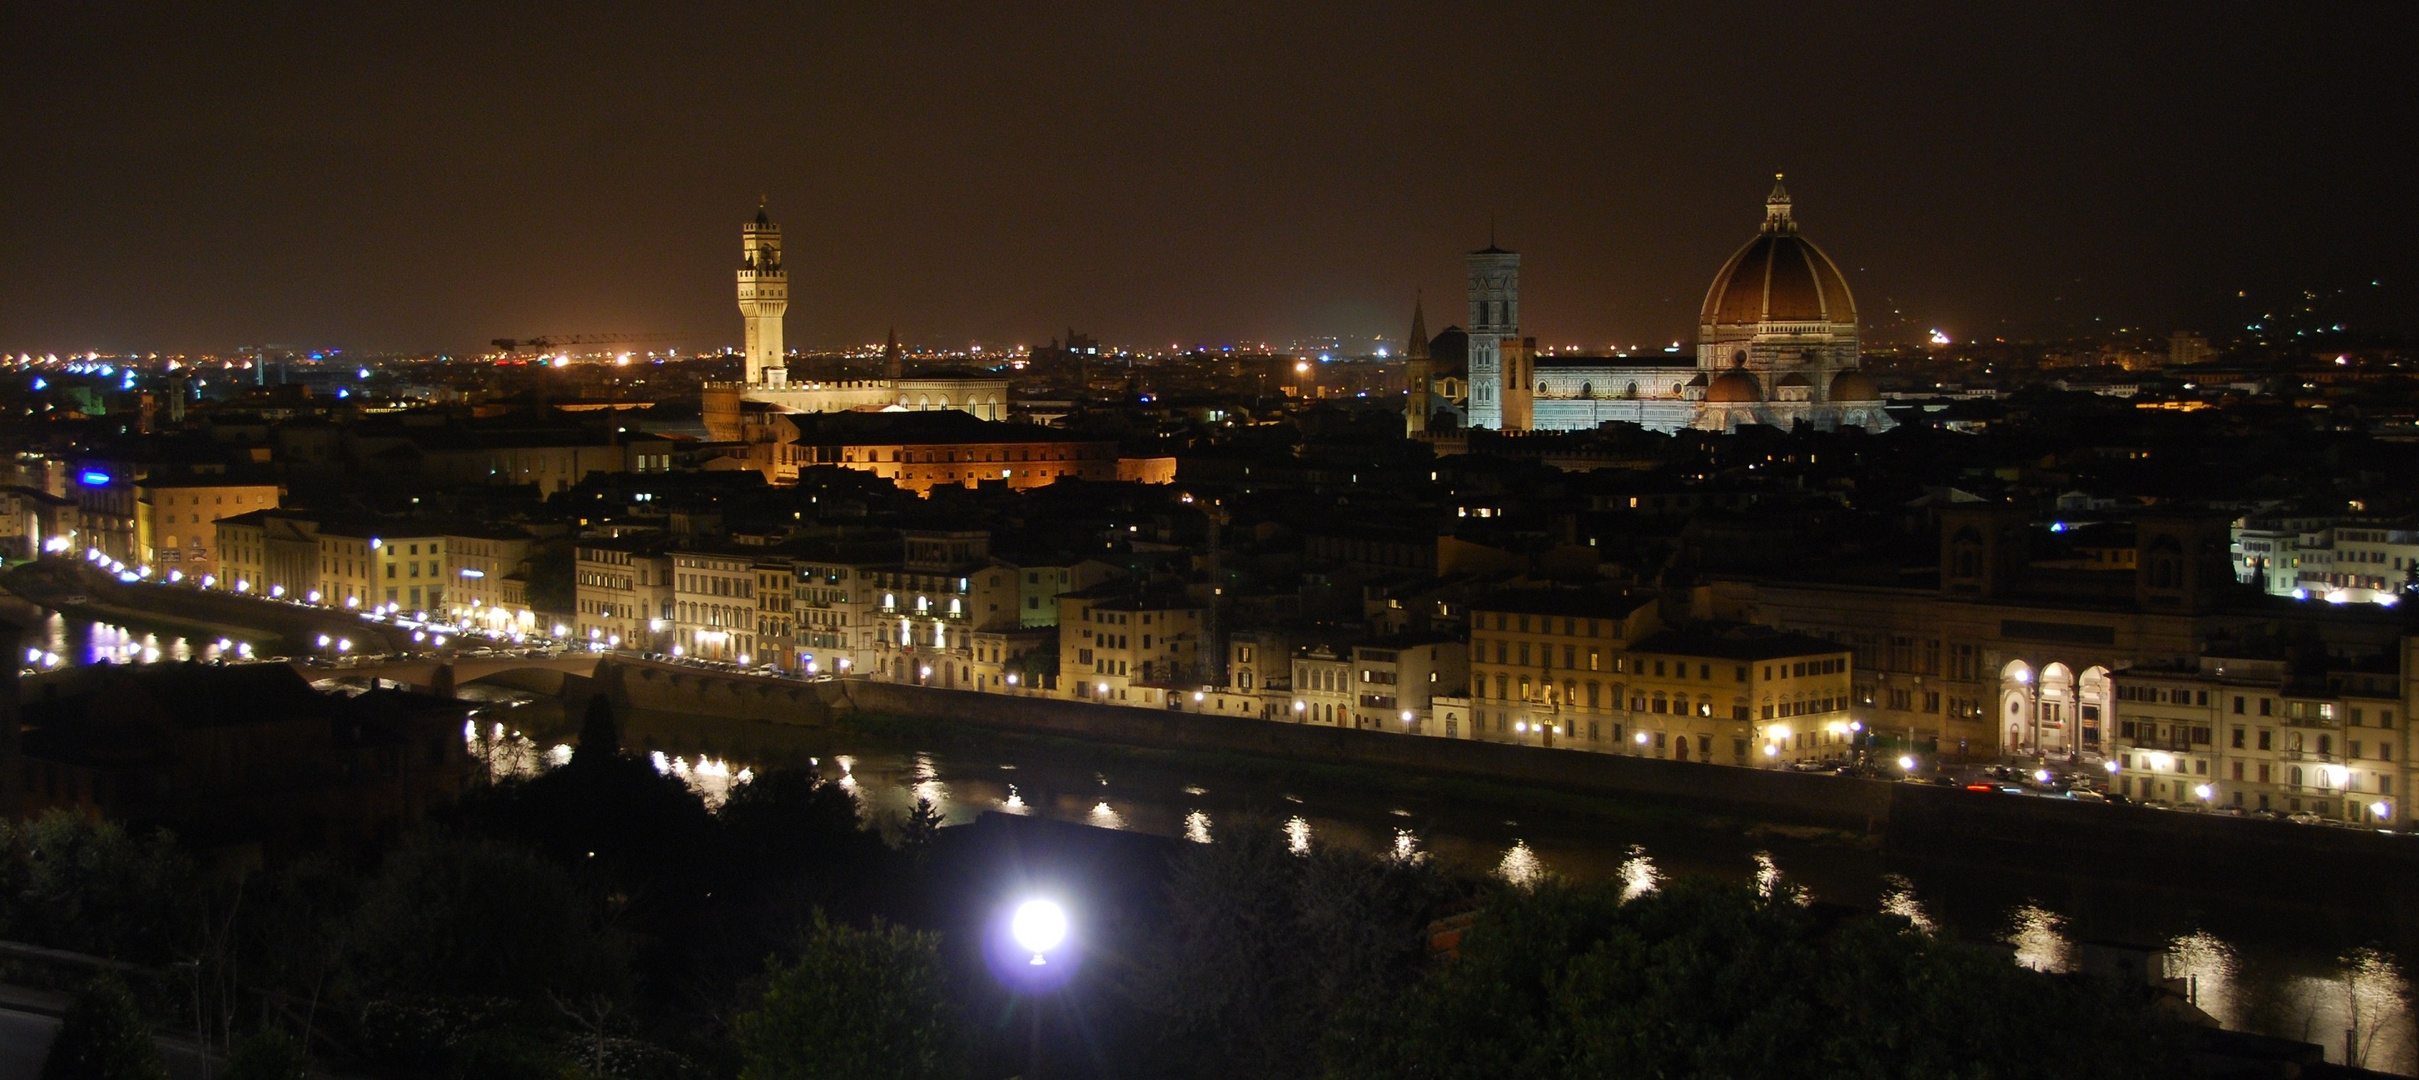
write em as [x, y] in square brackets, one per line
[2273, 859]
[1569, 807]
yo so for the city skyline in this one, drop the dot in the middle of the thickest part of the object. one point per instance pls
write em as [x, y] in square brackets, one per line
[1247, 175]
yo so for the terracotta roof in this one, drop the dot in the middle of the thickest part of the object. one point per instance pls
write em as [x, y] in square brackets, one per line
[1734, 388]
[1779, 277]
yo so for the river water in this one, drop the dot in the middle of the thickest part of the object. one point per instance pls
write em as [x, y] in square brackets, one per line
[50, 641]
[2313, 972]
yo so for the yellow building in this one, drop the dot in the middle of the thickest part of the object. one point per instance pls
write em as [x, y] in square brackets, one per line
[487, 578]
[176, 521]
[1116, 647]
[348, 567]
[2250, 733]
[409, 575]
[623, 594]
[1600, 672]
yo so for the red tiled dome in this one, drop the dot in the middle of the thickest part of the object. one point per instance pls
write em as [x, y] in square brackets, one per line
[1734, 388]
[1779, 277]
[1854, 385]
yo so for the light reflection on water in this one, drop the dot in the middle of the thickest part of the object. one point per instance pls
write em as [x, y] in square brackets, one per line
[2039, 936]
[1898, 898]
[2252, 974]
[55, 641]
[1638, 874]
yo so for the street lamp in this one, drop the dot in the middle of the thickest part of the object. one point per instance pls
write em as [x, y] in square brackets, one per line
[1038, 927]
[1034, 957]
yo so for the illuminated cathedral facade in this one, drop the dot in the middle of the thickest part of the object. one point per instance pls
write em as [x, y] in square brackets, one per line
[1776, 345]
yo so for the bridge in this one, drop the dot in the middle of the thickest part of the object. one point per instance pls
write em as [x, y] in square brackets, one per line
[538, 674]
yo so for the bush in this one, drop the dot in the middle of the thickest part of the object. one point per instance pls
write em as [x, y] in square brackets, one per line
[103, 1037]
[267, 1054]
[857, 1005]
[478, 918]
[71, 882]
[1713, 980]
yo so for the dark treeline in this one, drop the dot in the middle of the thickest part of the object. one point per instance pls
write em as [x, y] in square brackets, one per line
[599, 921]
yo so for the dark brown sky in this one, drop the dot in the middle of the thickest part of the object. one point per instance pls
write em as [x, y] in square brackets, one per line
[429, 176]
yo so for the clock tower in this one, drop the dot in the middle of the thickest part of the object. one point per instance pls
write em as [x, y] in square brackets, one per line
[764, 294]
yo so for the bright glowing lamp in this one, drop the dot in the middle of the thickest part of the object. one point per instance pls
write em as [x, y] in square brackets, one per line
[1038, 927]
[1906, 762]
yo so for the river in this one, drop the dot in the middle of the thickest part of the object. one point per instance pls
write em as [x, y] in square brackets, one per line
[52, 640]
[2310, 971]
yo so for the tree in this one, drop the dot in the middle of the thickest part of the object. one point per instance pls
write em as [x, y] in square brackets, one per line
[1713, 980]
[480, 918]
[103, 1037]
[600, 735]
[856, 1004]
[788, 820]
[1264, 949]
[77, 883]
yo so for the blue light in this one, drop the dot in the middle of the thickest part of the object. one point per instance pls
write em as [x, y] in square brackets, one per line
[2058, 527]
[40, 383]
[95, 478]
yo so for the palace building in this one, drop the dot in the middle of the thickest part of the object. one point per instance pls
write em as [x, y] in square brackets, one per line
[763, 301]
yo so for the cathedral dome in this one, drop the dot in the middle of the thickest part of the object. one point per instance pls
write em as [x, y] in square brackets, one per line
[1778, 277]
[1733, 388]
[1854, 385]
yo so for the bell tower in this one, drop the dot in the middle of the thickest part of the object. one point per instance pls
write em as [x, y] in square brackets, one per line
[1418, 372]
[764, 295]
[1499, 392]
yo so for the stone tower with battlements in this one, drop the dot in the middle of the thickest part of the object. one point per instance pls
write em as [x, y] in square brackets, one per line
[764, 295]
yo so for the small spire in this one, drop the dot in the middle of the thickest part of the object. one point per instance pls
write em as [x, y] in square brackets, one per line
[1776, 209]
[1416, 348]
[892, 361]
[761, 218]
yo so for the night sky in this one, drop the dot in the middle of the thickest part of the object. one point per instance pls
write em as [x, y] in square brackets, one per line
[422, 176]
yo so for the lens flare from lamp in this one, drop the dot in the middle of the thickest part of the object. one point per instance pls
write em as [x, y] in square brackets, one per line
[1038, 927]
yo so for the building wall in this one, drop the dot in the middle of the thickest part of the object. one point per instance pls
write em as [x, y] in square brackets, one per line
[714, 607]
[411, 572]
[618, 597]
[920, 468]
[480, 571]
[1975, 673]
[176, 532]
[2246, 739]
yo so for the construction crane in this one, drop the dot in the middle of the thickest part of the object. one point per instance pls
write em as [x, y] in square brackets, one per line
[540, 345]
